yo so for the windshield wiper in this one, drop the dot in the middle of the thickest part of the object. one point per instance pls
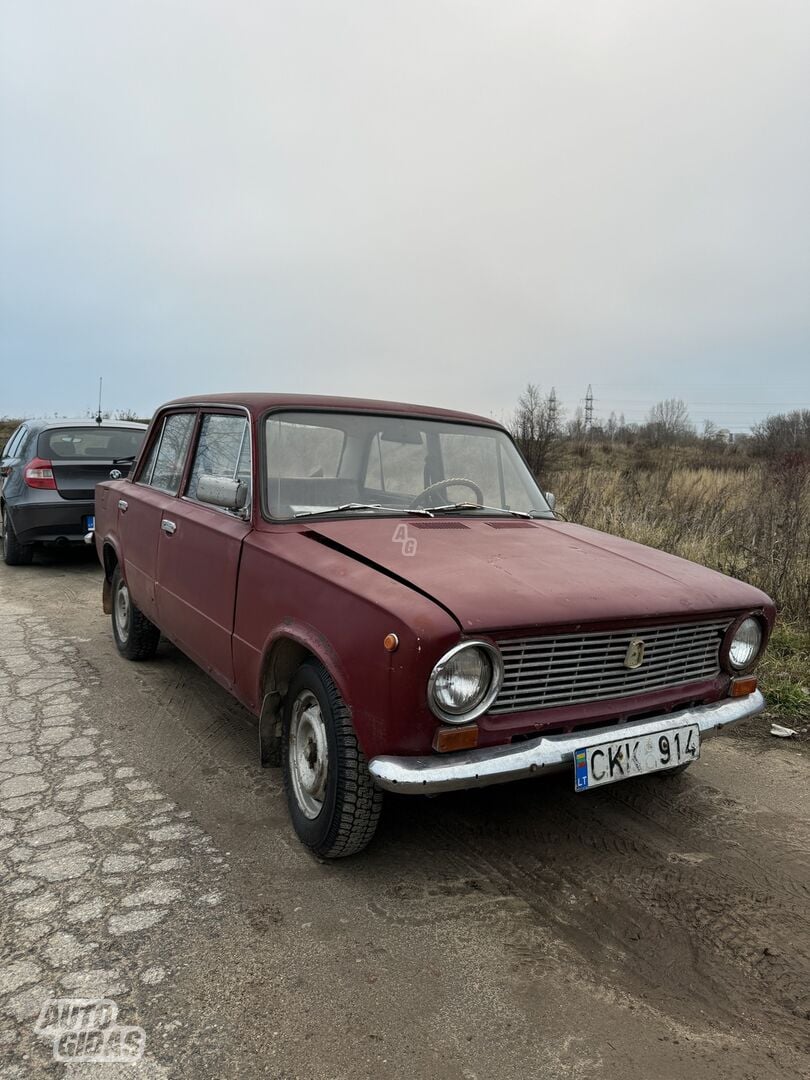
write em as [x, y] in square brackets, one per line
[450, 507]
[363, 506]
[119, 460]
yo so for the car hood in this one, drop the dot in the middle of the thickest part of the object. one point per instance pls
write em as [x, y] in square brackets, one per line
[509, 573]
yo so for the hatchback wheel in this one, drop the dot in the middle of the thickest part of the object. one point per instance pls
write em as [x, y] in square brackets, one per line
[135, 636]
[332, 799]
[14, 553]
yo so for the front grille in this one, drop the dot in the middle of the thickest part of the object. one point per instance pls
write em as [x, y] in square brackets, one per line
[543, 672]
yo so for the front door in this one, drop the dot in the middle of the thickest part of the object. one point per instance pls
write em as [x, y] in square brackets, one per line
[199, 549]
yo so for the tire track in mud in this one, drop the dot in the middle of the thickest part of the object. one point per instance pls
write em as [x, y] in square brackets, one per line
[706, 929]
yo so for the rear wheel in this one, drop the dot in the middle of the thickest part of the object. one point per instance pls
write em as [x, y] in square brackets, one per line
[135, 636]
[14, 553]
[332, 799]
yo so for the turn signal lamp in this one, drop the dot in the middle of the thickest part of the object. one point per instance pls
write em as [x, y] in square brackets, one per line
[743, 687]
[460, 738]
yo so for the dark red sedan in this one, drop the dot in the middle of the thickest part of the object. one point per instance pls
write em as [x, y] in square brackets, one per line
[387, 588]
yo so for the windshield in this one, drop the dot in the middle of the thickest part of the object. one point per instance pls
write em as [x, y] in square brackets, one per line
[355, 464]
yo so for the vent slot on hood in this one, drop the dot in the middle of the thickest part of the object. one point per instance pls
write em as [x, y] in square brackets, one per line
[437, 525]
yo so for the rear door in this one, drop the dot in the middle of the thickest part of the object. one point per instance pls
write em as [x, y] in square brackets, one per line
[81, 457]
[143, 504]
[200, 547]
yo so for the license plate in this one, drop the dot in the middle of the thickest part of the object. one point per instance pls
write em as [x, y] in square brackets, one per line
[91, 521]
[606, 763]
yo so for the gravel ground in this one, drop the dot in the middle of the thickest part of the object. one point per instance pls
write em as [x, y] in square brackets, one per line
[657, 928]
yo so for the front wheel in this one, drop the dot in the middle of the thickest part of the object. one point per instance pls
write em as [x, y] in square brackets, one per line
[332, 799]
[14, 553]
[136, 637]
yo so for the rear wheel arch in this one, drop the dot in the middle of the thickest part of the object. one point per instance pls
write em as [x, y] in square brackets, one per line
[109, 561]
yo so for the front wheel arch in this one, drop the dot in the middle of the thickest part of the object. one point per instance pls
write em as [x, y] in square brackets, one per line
[283, 657]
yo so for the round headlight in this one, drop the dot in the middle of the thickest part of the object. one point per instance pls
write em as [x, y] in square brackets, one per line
[745, 644]
[465, 682]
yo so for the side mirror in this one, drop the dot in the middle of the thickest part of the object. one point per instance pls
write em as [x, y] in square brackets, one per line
[222, 491]
[551, 498]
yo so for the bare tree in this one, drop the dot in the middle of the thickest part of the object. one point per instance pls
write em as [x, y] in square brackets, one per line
[668, 422]
[783, 433]
[535, 427]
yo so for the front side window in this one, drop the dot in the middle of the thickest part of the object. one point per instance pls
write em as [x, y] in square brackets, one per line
[165, 462]
[223, 450]
[360, 463]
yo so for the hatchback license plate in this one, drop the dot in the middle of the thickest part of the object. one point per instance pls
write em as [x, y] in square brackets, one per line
[91, 521]
[606, 763]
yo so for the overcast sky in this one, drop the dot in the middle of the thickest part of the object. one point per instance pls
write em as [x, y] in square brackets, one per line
[423, 200]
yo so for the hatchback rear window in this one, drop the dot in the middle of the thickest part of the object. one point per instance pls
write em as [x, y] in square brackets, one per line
[90, 444]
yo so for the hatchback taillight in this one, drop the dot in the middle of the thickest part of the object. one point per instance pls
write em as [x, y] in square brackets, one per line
[39, 474]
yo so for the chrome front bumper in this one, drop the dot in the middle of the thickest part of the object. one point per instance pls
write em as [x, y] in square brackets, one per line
[546, 754]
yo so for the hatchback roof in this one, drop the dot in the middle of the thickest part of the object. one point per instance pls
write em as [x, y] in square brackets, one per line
[45, 425]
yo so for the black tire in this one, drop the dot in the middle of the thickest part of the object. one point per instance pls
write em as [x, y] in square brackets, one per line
[14, 553]
[350, 804]
[136, 637]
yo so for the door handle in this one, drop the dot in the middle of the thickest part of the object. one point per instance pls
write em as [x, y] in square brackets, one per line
[123, 504]
[168, 526]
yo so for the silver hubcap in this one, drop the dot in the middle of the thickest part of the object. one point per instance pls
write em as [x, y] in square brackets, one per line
[122, 612]
[308, 754]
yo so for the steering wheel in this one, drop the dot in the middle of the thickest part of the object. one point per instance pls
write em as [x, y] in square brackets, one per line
[442, 485]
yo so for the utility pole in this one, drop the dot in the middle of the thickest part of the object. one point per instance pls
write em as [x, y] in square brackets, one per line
[589, 410]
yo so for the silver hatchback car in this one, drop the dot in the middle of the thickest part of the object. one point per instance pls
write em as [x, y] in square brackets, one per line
[48, 475]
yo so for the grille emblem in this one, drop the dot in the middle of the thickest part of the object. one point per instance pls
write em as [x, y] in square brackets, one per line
[634, 656]
[115, 474]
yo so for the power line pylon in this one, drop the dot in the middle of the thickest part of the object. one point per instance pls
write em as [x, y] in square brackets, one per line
[553, 410]
[589, 410]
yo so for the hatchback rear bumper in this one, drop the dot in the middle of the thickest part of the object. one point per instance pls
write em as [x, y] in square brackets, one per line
[55, 519]
[517, 761]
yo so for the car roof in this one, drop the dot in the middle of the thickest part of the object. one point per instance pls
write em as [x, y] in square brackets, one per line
[46, 425]
[258, 403]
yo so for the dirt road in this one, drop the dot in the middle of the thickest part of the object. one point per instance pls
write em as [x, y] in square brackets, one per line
[654, 929]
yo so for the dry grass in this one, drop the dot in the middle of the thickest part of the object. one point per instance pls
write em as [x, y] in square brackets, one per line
[752, 522]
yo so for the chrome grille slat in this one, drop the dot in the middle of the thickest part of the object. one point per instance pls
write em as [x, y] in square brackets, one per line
[655, 656]
[579, 668]
[629, 685]
[676, 631]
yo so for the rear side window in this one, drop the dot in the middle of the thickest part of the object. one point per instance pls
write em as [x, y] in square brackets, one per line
[15, 442]
[223, 449]
[90, 443]
[164, 465]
